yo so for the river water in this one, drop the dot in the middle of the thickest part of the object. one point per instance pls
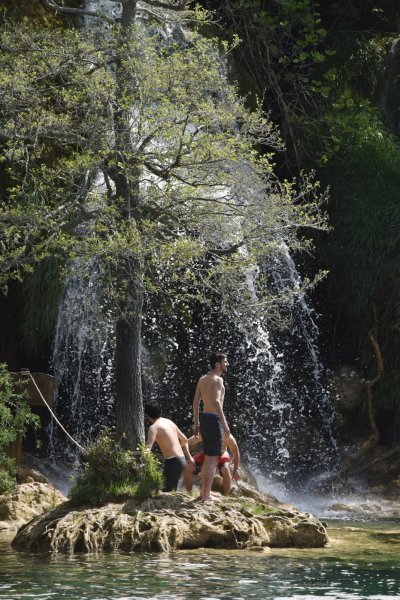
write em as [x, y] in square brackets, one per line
[361, 561]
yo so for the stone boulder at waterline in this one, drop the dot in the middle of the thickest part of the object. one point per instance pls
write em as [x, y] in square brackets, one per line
[171, 522]
[27, 501]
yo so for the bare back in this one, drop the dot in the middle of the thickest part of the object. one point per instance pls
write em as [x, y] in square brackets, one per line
[212, 393]
[168, 437]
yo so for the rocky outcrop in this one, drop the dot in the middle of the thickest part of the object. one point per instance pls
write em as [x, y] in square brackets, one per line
[27, 501]
[368, 506]
[27, 475]
[171, 522]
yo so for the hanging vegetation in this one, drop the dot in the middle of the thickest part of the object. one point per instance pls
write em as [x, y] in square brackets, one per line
[15, 418]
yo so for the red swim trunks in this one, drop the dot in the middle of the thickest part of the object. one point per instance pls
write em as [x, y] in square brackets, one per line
[223, 459]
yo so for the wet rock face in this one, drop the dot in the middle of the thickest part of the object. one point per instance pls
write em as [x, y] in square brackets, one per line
[346, 390]
[171, 522]
[27, 501]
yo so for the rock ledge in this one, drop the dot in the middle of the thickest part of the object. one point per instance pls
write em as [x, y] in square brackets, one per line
[171, 522]
[27, 501]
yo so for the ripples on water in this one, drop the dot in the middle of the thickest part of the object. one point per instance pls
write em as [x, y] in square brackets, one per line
[359, 563]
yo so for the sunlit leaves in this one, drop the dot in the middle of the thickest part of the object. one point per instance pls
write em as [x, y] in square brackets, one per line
[137, 149]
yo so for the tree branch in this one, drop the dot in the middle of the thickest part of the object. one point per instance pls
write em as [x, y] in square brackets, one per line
[85, 12]
[82, 12]
[226, 251]
[373, 439]
[178, 6]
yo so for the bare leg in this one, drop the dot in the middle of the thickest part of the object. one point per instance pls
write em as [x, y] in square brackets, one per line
[226, 479]
[188, 477]
[207, 476]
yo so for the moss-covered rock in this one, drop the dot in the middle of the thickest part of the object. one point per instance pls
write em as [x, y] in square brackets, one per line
[170, 522]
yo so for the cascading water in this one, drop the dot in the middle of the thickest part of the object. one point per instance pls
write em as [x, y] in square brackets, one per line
[83, 369]
[84, 392]
[275, 401]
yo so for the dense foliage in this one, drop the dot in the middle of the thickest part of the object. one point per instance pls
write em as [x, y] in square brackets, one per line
[363, 249]
[15, 418]
[329, 73]
[111, 473]
[189, 159]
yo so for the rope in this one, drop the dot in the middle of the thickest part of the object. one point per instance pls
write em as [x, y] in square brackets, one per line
[54, 416]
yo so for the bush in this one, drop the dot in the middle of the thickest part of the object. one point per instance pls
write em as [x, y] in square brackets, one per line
[15, 418]
[7, 475]
[111, 473]
[151, 481]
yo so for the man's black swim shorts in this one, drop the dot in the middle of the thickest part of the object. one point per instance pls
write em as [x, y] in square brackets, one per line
[211, 433]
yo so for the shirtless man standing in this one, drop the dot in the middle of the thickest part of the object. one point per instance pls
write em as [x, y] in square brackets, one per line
[211, 423]
[173, 445]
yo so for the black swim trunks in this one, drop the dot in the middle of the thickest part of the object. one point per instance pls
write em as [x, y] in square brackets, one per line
[212, 434]
[173, 468]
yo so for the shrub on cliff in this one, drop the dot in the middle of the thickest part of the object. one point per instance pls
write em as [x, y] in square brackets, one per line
[111, 473]
[15, 418]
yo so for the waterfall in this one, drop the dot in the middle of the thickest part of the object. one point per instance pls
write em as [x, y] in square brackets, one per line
[294, 414]
[84, 343]
[275, 401]
[84, 394]
[111, 8]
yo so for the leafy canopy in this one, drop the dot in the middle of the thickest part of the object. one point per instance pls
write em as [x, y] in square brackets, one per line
[134, 146]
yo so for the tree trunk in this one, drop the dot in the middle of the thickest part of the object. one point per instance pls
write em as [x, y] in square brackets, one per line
[129, 409]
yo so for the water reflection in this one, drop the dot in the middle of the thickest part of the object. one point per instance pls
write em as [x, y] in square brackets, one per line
[360, 562]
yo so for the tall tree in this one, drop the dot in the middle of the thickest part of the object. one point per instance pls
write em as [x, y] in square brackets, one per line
[133, 146]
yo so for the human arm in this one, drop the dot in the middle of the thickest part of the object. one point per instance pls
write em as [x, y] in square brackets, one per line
[219, 395]
[194, 440]
[185, 446]
[151, 437]
[234, 448]
[196, 407]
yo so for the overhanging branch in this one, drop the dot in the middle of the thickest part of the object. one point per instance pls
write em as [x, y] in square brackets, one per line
[81, 12]
[85, 12]
[176, 6]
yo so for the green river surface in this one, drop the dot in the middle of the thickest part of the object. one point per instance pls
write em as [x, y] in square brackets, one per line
[362, 560]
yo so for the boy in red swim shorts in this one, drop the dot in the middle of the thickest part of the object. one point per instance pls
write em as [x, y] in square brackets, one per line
[223, 464]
